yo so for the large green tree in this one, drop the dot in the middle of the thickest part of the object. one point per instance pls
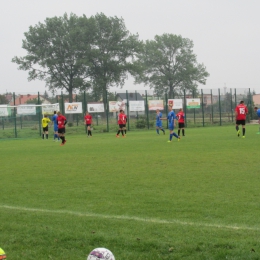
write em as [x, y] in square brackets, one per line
[113, 51]
[58, 51]
[168, 65]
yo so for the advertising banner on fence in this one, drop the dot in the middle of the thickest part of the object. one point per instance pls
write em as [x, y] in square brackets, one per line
[4, 110]
[175, 103]
[116, 106]
[96, 107]
[48, 109]
[155, 104]
[136, 106]
[29, 110]
[73, 108]
[193, 102]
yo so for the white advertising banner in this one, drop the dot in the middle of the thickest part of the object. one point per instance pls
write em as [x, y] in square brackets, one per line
[96, 107]
[155, 104]
[3, 110]
[193, 102]
[48, 109]
[73, 108]
[116, 106]
[26, 110]
[175, 103]
[137, 105]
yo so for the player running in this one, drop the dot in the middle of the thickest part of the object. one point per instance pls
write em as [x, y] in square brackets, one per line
[241, 112]
[159, 122]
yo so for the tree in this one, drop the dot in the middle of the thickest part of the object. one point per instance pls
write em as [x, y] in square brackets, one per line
[3, 100]
[113, 53]
[169, 65]
[57, 52]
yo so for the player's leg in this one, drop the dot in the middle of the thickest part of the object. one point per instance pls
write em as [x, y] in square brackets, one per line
[237, 129]
[244, 128]
[118, 132]
[183, 131]
[43, 132]
[157, 129]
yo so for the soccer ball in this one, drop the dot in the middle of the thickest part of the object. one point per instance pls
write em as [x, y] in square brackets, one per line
[101, 253]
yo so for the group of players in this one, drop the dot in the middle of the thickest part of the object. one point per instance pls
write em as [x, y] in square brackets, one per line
[59, 121]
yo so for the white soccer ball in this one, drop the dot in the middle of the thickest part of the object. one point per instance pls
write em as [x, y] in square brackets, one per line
[101, 253]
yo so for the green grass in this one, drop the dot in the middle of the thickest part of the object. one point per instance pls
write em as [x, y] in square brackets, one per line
[139, 196]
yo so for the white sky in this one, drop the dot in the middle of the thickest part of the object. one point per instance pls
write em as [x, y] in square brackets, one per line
[225, 33]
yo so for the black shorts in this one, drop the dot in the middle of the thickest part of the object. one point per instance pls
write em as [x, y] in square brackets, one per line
[88, 124]
[241, 122]
[45, 129]
[61, 130]
[181, 125]
[121, 125]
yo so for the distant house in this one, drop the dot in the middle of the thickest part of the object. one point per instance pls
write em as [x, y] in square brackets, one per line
[23, 99]
[256, 100]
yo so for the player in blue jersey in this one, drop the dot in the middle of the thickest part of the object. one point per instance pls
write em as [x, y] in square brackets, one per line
[55, 126]
[159, 122]
[257, 110]
[172, 119]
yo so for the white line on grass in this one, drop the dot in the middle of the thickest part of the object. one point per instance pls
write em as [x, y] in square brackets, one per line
[149, 220]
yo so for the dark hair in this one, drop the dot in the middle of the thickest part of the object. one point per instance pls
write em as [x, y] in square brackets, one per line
[54, 112]
[242, 101]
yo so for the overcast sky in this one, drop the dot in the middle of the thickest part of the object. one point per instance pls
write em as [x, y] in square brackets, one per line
[225, 33]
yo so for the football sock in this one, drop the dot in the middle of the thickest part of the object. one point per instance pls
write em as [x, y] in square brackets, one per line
[162, 129]
[237, 128]
[175, 135]
[125, 132]
[42, 136]
[122, 132]
[157, 131]
[244, 131]
[47, 136]
[179, 132]
[90, 133]
[118, 132]
[62, 139]
[183, 132]
[170, 137]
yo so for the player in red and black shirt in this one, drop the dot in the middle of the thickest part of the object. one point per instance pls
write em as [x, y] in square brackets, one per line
[181, 120]
[121, 123]
[88, 122]
[61, 122]
[241, 112]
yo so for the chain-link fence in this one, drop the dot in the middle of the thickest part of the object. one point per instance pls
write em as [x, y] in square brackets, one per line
[215, 107]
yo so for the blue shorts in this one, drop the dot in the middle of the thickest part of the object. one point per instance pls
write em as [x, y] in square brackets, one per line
[159, 124]
[171, 127]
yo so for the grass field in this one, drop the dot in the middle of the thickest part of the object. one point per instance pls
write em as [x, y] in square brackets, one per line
[139, 196]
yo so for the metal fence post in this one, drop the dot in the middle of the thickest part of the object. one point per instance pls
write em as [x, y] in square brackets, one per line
[220, 123]
[15, 130]
[39, 115]
[202, 99]
[147, 110]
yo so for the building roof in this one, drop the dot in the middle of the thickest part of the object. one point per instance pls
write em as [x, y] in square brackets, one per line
[22, 99]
